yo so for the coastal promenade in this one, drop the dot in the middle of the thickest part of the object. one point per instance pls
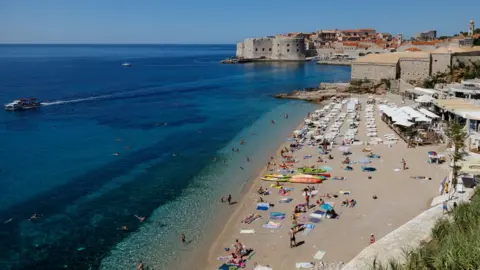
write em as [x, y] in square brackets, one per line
[399, 198]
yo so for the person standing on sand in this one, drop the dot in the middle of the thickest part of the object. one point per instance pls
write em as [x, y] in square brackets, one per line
[444, 207]
[404, 164]
[307, 199]
[372, 239]
[293, 241]
[229, 199]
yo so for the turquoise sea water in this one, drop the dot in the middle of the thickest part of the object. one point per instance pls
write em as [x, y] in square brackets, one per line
[167, 116]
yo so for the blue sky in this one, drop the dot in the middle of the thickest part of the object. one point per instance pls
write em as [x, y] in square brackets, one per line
[219, 21]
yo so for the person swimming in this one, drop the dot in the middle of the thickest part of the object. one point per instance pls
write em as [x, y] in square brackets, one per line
[141, 219]
[35, 216]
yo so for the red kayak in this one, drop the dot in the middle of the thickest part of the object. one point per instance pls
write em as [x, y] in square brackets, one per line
[305, 180]
[324, 174]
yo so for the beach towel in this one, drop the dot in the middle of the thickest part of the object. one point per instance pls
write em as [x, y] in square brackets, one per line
[344, 192]
[277, 216]
[319, 212]
[272, 225]
[326, 207]
[307, 229]
[227, 267]
[314, 220]
[263, 206]
[307, 157]
[286, 200]
[319, 255]
[247, 231]
[260, 267]
[304, 265]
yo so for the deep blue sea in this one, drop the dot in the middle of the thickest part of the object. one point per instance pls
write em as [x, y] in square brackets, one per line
[172, 117]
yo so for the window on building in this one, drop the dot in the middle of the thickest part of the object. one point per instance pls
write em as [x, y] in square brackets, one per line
[435, 60]
[263, 49]
[256, 49]
[288, 50]
[298, 45]
[288, 45]
[269, 49]
[298, 50]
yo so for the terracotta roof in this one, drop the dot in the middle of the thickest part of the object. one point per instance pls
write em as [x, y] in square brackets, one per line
[413, 49]
[476, 36]
[350, 31]
[350, 43]
[434, 42]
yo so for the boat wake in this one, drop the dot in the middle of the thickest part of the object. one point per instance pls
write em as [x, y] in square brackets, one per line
[59, 102]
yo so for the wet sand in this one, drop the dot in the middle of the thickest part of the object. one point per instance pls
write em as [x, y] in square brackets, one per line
[400, 198]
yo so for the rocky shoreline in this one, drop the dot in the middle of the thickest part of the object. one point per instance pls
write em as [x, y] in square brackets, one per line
[328, 90]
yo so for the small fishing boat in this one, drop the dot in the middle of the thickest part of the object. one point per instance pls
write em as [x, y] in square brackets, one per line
[126, 64]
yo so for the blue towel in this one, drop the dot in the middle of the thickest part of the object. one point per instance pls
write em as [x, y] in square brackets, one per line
[309, 226]
[314, 220]
[319, 212]
[276, 214]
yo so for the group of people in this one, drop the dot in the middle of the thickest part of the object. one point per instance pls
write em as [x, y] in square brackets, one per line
[349, 203]
[228, 199]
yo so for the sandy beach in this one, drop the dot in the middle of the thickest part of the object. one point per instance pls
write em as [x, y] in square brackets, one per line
[400, 198]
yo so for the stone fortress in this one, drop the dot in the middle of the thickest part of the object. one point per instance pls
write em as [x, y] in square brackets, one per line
[279, 48]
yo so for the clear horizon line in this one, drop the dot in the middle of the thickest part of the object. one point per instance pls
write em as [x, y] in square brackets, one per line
[85, 43]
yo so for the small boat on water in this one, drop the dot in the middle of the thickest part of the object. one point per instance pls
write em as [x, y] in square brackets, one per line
[126, 64]
[22, 104]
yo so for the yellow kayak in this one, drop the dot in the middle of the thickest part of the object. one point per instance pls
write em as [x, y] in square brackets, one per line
[274, 179]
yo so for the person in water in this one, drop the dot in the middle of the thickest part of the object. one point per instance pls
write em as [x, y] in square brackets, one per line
[242, 141]
[124, 228]
[182, 237]
[142, 219]
[229, 199]
[35, 216]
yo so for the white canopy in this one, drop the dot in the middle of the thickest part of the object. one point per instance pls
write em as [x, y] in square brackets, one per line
[424, 99]
[404, 123]
[428, 113]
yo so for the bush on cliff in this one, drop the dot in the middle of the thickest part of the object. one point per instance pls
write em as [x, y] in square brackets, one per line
[455, 243]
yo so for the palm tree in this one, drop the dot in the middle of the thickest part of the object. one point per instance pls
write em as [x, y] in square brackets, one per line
[457, 137]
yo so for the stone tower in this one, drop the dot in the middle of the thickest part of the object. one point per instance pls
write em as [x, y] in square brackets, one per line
[471, 28]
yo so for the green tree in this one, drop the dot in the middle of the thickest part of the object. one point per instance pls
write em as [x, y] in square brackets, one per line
[457, 137]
